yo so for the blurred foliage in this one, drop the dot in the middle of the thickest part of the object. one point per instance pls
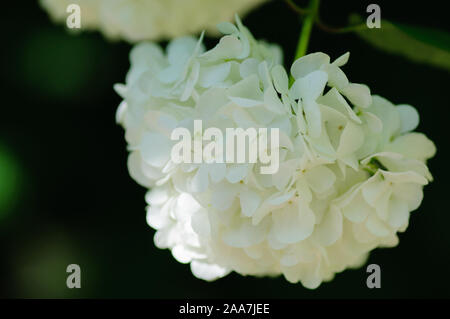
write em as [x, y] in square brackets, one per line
[57, 65]
[41, 264]
[9, 181]
[419, 44]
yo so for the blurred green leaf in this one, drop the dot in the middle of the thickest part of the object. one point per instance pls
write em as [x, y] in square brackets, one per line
[57, 65]
[9, 181]
[419, 44]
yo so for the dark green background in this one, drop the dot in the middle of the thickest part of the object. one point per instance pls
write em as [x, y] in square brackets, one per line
[72, 200]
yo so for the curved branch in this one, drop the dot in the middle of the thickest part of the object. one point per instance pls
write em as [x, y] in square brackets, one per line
[296, 8]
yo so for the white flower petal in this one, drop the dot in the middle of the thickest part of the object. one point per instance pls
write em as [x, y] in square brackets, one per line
[236, 172]
[377, 227]
[330, 229]
[358, 94]
[313, 118]
[293, 223]
[336, 77]
[200, 181]
[309, 87]
[250, 201]
[398, 213]
[308, 64]
[413, 145]
[207, 271]
[217, 171]
[342, 60]
[214, 75]
[351, 139]
[280, 79]
[409, 117]
[244, 234]
[158, 216]
[320, 178]
[357, 210]
[223, 196]
[155, 149]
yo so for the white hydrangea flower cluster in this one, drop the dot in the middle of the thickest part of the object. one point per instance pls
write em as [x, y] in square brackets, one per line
[350, 173]
[138, 20]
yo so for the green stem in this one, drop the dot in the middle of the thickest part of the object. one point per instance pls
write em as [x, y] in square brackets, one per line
[308, 23]
[305, 33]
